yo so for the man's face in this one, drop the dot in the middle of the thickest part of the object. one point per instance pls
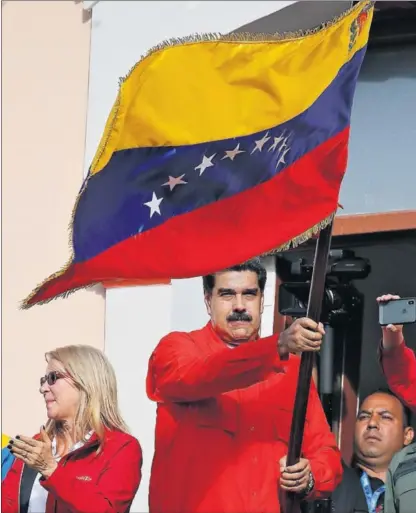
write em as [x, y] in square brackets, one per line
[379, 430]
[235, 306]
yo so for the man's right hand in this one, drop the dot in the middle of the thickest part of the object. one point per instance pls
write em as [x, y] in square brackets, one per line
[392, 334]
[303, 335]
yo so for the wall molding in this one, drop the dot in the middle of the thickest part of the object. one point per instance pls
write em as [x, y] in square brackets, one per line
[372, 223]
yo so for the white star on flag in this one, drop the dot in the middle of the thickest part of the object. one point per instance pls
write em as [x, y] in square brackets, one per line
[231, 154]
[284, 144]
[206, 162]
[154, 205]
[174, 181]
[282, 157]
[277, 140]
[260, 143]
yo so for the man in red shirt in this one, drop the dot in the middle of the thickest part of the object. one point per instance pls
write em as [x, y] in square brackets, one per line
[398, 361]
[225, 400]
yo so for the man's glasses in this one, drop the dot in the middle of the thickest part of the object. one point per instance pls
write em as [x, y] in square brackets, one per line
[52, 377]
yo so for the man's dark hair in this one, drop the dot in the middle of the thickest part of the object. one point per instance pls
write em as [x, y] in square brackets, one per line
[253, 265]
[387, 391]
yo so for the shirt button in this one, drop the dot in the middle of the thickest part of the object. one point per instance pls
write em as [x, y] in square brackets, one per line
[255, 459]
[252, 428]
[254, 494]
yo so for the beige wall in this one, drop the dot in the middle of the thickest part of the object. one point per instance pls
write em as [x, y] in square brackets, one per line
[46, 46]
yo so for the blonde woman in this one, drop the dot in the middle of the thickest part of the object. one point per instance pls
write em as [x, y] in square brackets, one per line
[83, 460]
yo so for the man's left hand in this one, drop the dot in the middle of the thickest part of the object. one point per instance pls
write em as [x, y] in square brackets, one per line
[296, 477]
[36, 454]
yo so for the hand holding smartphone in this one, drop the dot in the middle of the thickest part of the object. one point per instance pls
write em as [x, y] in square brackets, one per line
[396, 311]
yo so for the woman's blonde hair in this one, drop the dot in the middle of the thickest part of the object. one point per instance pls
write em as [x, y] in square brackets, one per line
[94, 376]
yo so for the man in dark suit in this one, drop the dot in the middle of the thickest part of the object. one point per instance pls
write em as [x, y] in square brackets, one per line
[381, 430]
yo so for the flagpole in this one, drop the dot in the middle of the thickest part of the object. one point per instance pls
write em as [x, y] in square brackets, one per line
[316, 295]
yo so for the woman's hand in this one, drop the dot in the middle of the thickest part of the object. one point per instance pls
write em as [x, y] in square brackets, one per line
[36, 454]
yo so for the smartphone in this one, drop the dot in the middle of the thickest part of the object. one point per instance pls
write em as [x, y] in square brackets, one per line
[397, 311]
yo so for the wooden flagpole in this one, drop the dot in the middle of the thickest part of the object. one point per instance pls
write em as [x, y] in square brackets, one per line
[316, 295]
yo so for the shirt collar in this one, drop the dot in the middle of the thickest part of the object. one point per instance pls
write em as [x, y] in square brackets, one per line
[76, 446]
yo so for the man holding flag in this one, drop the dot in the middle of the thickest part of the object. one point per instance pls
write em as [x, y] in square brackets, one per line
[225, 400]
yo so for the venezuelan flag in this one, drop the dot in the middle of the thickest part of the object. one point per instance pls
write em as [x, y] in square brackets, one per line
[217, 149]
[7, 457]
[4, 440]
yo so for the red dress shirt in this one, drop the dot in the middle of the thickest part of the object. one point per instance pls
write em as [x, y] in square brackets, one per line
[223, 423]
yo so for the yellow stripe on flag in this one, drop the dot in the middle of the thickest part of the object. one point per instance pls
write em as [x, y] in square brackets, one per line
[196, 91]
[4, 440]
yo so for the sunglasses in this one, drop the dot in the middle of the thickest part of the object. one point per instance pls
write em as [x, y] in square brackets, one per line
[52, 377]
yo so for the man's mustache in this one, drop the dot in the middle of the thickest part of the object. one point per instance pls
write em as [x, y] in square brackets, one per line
[239, 317]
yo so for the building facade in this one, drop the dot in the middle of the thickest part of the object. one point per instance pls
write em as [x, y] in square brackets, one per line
[45, 73]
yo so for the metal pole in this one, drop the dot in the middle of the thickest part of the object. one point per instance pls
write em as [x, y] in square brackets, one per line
[316, 295]
[326, 372]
